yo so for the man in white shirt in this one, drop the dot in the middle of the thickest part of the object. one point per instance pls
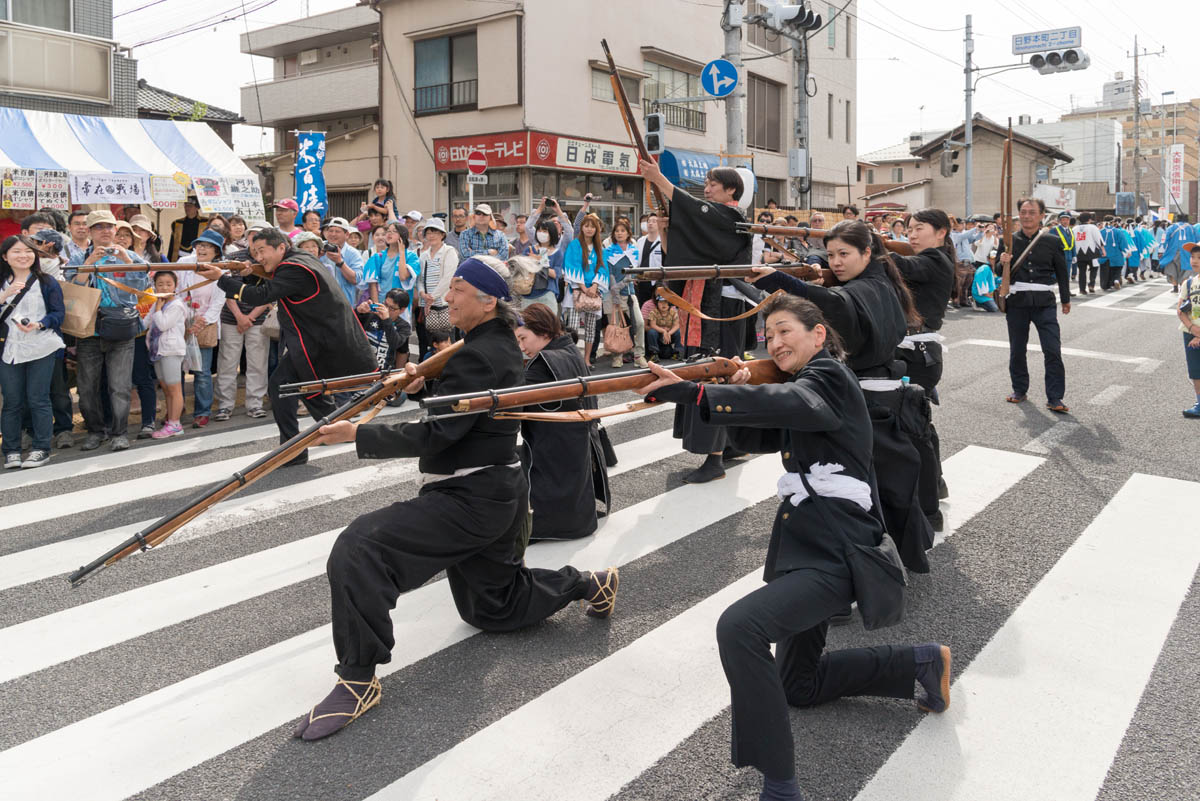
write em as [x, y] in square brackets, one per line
[343, 260]
[1088, 250]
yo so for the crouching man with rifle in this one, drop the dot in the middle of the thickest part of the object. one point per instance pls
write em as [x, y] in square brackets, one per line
[467, 518]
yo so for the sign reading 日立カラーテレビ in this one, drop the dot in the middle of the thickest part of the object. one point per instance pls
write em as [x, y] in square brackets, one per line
[1039, 41]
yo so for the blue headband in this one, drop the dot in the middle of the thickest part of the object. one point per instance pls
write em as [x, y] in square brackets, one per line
[483, 278]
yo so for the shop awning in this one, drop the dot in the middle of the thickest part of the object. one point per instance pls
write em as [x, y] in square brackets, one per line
[687, 168]
[76, 143]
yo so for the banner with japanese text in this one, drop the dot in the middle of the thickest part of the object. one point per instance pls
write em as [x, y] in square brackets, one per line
[247, 197]
[1175, 175]
[19, 188]
[212, 193]
[310, 171]
[166, 192]
[53, 190]
[107, 187]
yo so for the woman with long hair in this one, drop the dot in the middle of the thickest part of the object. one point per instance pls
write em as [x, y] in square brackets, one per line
[567, 472]
[587, 282]
[31, 316]
[819, 421]
[619, 256]
[872, 308]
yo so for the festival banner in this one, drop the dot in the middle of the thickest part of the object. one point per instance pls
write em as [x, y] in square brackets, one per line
[247, 197]
[107, 187]
[19, 188]
[310, 171]
[166, 192]
[212, 193]
[53, 190]
[1175, 175]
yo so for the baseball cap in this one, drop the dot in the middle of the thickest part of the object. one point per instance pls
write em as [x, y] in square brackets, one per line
[1190, 246]
[338, 222]
[257, 225]
[436, 223]
[287, 203]
[99, 217]
[483, 208]
[414, 215]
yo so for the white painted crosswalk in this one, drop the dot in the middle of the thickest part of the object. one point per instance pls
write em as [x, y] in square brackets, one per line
[1082, 643]
[1145, 297]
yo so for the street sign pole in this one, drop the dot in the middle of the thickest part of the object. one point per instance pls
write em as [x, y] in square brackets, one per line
[476, 165]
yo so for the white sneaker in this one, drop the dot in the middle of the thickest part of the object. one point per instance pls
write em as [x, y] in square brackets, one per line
[12, 461]
[35, 459]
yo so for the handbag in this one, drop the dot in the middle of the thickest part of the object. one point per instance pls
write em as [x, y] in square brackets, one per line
[437, 318]
[616, 333]
[82, 303]
[192, 360]
[587, 304]
[117, 323]
[207, 338]
[876, 571]
[270, 324]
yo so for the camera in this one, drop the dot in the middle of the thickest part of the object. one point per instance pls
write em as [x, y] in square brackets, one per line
[25, 321]
[329, 247]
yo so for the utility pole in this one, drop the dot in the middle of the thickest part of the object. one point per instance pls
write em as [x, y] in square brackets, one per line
[969, 90]
[801, 186]
[735, 102]
[1137, 125]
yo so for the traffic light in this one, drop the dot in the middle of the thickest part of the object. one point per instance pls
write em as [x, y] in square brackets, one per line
[654, 133]
[1060, 61]
[793, 15]
[949, 162]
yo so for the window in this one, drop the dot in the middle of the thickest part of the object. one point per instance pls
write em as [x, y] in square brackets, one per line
[54, 14]
[764, 128]
[849, 19]
[849, 123]
[447, 74]
[897, 175]
[768, 189]
[870, 176]
[602, 87]
[759, 36]
[666, 83]
[829, 115]
[831, 31]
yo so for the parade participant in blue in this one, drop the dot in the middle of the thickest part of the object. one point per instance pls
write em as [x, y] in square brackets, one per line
[1143, 240]
[828, 517]
[319, 333]
[396, 267]
[342, 260]
[1174, 258]
[1066, 235]
[1031, 301]
[1114, 255]
[872, 308]
[466, 519]
[1188, 312]
[1132, 254]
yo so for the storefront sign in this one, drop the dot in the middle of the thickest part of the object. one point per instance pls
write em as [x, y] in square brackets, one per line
[53, 190]
[502, 150]
[582, 154]
[212, 192]
[19, 188]
[107, 187]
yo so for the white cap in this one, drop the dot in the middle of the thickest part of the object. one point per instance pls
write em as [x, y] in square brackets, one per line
[414, 215]
[436, 223]
[338, 222]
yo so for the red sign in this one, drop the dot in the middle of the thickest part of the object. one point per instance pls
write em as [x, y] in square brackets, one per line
[500, 150]
[477, 162]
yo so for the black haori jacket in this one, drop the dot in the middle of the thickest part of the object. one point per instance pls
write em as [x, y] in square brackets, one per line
[489, 360]
[322, 336]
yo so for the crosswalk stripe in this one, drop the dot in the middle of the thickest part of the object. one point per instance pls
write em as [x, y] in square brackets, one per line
[1163, 302]
[58, 637]
[669, 680]
[1054, 690]
[207, 714]
[1113, 298]
[1142, 364]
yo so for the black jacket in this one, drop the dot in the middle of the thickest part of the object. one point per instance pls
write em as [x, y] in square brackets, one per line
[1047, 264]
[316, 324]
[930, 276]
[489, 360]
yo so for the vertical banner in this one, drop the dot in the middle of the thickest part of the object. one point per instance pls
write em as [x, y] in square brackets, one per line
[310, 171]
[212, 193]
[1175, 175]
[20, 188]
[52, 190]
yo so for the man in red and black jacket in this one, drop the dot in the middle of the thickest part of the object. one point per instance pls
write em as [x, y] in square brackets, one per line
[320, 335]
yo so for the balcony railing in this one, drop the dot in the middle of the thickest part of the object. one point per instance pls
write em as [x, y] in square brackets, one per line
[689, 119]
[444, 97]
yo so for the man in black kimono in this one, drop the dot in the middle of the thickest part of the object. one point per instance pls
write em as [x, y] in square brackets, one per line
[466, 519]
[320, 335]
[704, 232]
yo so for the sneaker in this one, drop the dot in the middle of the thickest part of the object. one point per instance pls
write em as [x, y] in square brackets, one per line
[1193, 412]
[617, 362]
[257, 413]
[12, 461]
[92, 442]
[169, 429]
[64, 440]
[120, 443]
[200, 422]
[640, 361]
[933, 677]
[35, 459]
[147, 431]
[222, 415]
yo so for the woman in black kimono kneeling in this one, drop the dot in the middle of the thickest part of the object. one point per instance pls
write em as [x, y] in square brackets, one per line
[567, 473]
[819, 422]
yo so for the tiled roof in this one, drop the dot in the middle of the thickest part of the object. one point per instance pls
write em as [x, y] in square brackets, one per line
[152, 100]
[899, 152]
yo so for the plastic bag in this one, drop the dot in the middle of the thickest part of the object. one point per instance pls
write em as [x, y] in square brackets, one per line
[192, 361]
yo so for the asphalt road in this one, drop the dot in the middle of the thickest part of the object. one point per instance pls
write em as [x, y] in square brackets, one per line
[1067, 591]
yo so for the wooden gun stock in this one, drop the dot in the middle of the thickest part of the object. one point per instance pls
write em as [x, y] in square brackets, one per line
[903, 248]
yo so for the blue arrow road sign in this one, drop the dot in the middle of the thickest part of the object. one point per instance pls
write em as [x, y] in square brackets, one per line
[719, 77]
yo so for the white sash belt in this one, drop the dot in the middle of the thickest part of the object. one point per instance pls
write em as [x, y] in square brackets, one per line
[910, 341]
[827, 482]
[1027, 286]
[879, 384]
[433, 478]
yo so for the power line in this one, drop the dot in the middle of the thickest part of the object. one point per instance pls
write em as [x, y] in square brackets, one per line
[208, 22]
[139, 8]
[253, 73]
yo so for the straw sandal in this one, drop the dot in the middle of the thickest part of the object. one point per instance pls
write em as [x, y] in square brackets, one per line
[602, 596]
[310, 729]
[1015, 398]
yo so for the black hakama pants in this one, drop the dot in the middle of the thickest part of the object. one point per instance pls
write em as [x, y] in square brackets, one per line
[698, 436]
[469, 526]
[792, 610]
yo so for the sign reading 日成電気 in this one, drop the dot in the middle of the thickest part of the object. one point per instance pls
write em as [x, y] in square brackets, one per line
[1040, 41]
[310, 171]
[719, 77]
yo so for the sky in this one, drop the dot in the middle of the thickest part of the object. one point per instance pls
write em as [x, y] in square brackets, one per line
[909, 64]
